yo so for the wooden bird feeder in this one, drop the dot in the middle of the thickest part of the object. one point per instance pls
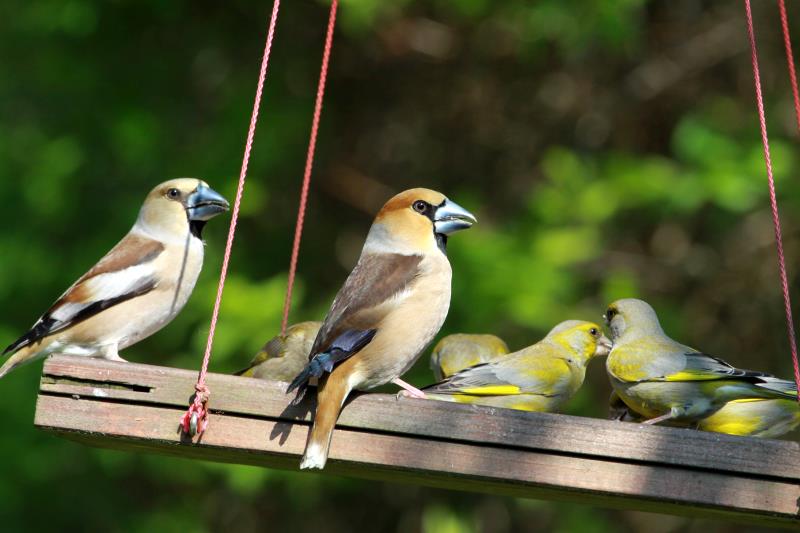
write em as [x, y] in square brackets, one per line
[135, 407]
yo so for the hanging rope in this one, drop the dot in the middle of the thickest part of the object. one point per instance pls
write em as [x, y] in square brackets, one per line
[195, 420]
[771, 180]
[787, 43]
[312, 143]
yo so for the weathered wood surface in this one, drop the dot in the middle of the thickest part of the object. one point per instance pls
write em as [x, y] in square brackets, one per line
[137, 407]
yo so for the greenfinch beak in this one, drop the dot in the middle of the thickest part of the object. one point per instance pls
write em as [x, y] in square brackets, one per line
[604, 346]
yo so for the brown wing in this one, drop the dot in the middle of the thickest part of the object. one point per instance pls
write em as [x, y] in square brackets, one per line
[366, 296]
[122, 274]
[131, 251]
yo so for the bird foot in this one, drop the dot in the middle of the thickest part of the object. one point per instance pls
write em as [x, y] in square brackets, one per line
[410, 390]
[656, 420]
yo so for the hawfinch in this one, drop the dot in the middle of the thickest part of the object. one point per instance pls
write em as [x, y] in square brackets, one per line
[461, 350]
[136, 288]
[284, 356]
[389, 308]
[663, 380]
[539, 378]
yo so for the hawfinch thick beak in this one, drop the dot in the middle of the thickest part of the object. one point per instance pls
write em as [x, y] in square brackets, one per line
[451, 217]
[205, 203]
[604, 346]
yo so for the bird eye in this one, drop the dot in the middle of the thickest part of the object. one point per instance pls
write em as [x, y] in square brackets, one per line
[593, 331]
[610, 314]
[173, 193]
[420, 206]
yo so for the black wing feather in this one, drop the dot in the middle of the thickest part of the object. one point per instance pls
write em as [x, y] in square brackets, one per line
[47, 325]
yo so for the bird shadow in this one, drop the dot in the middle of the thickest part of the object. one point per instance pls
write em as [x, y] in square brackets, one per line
[292, 414]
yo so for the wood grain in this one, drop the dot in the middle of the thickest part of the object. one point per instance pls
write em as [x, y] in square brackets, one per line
[137, 407]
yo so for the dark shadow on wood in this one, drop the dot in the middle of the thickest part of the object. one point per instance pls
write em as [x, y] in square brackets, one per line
[294, 414]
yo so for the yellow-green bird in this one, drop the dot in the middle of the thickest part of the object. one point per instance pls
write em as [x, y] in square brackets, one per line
[541, 377]
[753, 417]
[619, 410]
[461, 350]
[663, 380]
[757, 417]
[284, 356]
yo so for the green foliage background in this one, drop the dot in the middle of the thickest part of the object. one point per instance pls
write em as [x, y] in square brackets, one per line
[609, 149]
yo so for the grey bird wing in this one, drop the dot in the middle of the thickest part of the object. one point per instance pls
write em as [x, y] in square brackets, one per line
[524, 372]
[703, 367]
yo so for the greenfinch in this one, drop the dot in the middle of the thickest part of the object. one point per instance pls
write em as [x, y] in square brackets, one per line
[751, 417]
[284, 356]
[663, 380]
[541, 377]
[618, 410]
[757, 417]
[461, 350]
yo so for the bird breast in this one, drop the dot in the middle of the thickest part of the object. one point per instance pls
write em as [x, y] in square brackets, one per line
[409, 328]
[179, 267]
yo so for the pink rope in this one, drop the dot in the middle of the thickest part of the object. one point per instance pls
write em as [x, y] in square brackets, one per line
[312, 143]
[195, 420]
[787, 42]
[772, 197]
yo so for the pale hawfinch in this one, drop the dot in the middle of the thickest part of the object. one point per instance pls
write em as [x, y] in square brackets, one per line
[136, 288]
[390, 307]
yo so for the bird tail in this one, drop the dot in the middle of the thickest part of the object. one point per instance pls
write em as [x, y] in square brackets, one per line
[330, 398]
[245, 372]
[23, 356]
[780, 387]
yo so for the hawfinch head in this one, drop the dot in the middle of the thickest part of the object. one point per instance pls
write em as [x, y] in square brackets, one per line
[417, 221]
[180, 204]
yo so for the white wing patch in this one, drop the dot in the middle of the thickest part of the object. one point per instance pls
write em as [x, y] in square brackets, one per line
[114, 284]
[104, 287]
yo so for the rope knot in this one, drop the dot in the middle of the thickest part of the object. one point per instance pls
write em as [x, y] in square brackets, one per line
[195, 420]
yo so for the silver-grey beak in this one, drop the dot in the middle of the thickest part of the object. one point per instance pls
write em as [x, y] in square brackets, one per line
[604, 346]
[451, 217]
[205, 203]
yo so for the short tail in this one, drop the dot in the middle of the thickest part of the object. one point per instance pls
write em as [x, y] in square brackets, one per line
[19, 358]
[330, 398]
[245, 372]
[779, 386]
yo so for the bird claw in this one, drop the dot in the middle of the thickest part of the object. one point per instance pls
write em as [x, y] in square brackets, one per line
[407, 394]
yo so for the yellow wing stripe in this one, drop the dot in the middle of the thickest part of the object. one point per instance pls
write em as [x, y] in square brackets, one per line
[492, 390]
[694, 376]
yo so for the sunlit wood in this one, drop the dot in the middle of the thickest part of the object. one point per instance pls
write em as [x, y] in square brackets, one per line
[614, 464]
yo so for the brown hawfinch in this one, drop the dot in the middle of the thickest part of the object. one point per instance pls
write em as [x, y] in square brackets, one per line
[136, 288]
[390, 307]
[284, 356]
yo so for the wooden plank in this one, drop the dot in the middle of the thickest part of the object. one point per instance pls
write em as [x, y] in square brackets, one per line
[429, 462]
[137, 407]
[477, 424]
